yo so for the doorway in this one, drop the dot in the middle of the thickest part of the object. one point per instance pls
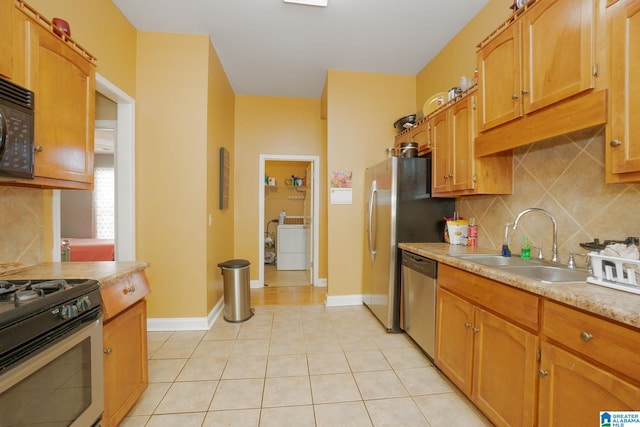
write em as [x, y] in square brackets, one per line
[123, 179]
[301, 198]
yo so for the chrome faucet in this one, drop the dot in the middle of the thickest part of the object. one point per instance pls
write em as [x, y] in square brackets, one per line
[554, 255]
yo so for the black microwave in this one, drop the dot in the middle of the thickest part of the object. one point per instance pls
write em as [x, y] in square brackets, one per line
[16, 130]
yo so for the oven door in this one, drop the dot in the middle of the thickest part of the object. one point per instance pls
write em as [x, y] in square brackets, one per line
[60, 385]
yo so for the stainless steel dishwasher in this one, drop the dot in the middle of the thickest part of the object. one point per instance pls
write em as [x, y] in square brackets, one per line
[418, 279]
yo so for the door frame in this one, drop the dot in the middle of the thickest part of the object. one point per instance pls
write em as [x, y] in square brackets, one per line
[315, 214]
[124, 159]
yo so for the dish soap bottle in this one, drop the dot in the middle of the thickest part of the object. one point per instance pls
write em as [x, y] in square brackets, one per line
[525, 251]
[282, 216]
[506, 252]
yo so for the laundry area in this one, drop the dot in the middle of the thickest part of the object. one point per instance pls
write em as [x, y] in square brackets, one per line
[286, 205]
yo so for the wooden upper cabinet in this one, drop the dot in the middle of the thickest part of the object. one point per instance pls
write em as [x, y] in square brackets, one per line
[558, 38]
[500, 76]
[545, 56]
[623, 130]
[440, 146]
[64, 84]
[6, 38]
[461, 150]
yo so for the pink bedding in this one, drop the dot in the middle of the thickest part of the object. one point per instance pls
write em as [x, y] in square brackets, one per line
[91, 249]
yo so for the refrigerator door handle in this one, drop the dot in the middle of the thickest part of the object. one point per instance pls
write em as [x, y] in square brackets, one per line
[371, 239]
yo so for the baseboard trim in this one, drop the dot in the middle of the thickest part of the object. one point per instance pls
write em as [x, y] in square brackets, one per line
[186, 323]
[341, 300]
[322, 283]
[255, 284]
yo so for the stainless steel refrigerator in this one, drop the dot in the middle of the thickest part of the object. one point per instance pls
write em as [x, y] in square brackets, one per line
[399, 209]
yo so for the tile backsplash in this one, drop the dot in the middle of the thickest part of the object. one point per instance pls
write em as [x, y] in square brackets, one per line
[21, 227]
[566, 176]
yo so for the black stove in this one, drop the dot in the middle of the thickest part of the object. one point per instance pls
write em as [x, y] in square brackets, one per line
[35, 312]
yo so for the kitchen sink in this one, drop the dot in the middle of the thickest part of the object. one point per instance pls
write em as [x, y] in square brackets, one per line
[548, 273]
[494, 260]
[534, 269]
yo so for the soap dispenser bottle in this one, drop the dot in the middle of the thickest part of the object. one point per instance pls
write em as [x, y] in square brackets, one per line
[525, 251]
[506, 252]
[282, 216]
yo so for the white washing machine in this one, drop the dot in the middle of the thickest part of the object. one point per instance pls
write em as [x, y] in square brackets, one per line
[291, 246]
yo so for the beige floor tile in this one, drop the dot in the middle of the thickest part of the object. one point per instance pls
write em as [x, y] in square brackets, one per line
[286, 391]
[150, 399]
[191, 396]
[171, 420]
[357, 343]
[334, 388]
[289, 345]
[245, 367]
[419, 381]
[238, 394]
[251, 348]
[187, 336]
[369, 360]
[390, 341]
[398, 412]
[234, 418]
[255, 332]
[222, 332]
[352, 414]
[327, 363]
[379, 385]
[135, 421]
[450, 409]
[287, 365]
[322, 344]
[204, 369]
[288, 416]
[165, 370]
[406, 358]
[259, 319]
[213, 348]
[176, 349]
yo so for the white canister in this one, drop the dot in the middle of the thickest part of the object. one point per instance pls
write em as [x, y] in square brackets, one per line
[283, 215]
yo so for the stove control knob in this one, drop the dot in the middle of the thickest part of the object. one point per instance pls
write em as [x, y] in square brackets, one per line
[83, 304]
[69, 311]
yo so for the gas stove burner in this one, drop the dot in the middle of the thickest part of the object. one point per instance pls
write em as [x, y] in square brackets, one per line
[26, 295]
[7, 287]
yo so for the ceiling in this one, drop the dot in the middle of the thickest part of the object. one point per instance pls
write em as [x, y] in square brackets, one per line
[272, 48]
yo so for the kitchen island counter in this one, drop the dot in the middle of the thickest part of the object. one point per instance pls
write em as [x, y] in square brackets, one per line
[623, 307]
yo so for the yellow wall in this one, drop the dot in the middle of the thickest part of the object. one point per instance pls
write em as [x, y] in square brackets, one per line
[269, 125]
[361, 110]
[171, 170]
[458, 57]
[220, 133]
[99, 27]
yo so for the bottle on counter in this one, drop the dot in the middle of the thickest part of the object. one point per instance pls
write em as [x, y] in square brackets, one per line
[472, 233]
[506, 252]
[282, 216]
[525, 251]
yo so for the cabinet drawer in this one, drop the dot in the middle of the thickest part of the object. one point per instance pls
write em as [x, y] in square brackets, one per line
[518, 306]
[120, 295]
[613, 345]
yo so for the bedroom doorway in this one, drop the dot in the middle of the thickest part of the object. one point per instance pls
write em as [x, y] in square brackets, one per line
[114, 163]
[301, 203]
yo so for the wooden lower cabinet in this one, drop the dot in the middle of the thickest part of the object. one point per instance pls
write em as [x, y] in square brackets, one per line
[573, 391]
[125, 362]
[490, 359]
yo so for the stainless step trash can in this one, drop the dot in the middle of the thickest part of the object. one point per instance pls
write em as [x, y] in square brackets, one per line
[237, 293]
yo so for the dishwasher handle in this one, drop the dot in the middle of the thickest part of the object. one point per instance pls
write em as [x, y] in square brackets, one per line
[423, 265]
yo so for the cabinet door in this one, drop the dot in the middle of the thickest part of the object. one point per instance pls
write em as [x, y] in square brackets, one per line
[454, 339]
[572, 392]
[623, 46]
[6, 38]
[504, 359]
[125, 362]
[440, 152]
[499, 74]
[461, 154]
[64, 84]
[559, 56]
[420, 136]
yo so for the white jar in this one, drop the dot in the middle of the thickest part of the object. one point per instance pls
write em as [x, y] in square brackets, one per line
[283, 214]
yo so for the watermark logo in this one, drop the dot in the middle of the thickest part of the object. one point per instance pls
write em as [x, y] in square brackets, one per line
[620, 419]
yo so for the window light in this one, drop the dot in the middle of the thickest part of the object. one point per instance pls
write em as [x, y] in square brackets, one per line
[322, 3]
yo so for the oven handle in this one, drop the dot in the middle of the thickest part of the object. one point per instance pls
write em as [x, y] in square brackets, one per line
[3, 133]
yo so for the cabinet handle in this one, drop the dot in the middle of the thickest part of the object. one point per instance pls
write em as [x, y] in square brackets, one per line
[450, 175]
[107, 351]
[129, 290]
[525, 91]
[586, 336]
[542, 373]
[615, 143]
[467, 325]
[38, 148]
[514, 96]
[475, 330]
